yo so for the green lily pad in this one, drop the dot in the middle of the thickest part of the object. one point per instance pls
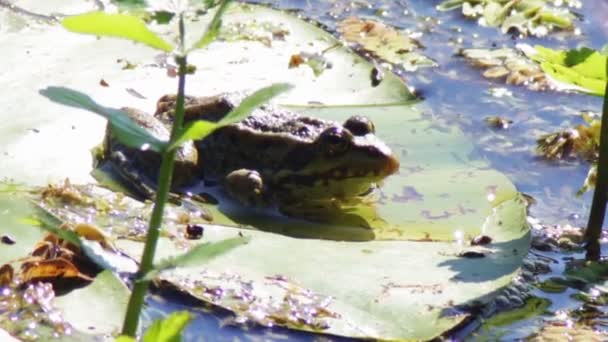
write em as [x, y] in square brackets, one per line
[392, 269]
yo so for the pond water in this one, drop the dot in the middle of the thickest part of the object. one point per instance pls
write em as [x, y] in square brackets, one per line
[457, 93]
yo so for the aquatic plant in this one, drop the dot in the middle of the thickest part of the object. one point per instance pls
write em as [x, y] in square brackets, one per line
[128, 132]
[587, 69]
[527, 17]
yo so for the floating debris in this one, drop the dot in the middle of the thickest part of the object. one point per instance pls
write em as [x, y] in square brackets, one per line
[580, 142]
[525, 17]
[316, 61]
[265, 32]
[384, 42]
[497, 122]
[287, 303]
[510, 65]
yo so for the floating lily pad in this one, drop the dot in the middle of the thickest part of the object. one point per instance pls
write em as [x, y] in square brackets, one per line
[392, 269]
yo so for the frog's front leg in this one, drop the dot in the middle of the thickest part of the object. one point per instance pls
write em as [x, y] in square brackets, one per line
[246, 186]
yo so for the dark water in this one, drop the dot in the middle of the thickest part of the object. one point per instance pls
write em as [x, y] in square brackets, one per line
[457, 93]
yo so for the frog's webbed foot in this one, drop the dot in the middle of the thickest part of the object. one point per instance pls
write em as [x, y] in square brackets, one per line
[246, 186]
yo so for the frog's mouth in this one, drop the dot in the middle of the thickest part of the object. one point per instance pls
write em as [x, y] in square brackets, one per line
[338, 182]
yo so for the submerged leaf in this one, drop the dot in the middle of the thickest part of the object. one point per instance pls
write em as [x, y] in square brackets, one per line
[116, 25]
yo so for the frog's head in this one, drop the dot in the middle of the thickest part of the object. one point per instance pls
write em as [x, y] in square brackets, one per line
[344, 161]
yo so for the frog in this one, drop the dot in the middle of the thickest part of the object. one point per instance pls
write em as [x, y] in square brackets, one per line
[300, 164]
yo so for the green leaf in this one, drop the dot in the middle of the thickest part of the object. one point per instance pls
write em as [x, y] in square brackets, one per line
[123, 127]
[198, 255]
[52, 226]
[582, 67]
[124, 338]
[213, 28]
[168, 329]
[253, 101]
[200, 129]
[116, 25]
[194, 131]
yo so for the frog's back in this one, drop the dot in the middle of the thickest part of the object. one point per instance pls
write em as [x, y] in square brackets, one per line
[270, 139]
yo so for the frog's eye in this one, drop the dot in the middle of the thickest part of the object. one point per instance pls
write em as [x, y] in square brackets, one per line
[359, 125]
[335, 140]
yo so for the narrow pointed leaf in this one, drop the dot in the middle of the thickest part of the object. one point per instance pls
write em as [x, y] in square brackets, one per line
[116, 25]
[253, 101]
[214, 27]
[194, 131]
[198, 255]
[124, 128]
[200, 129]
[46, 221]
[168, 329]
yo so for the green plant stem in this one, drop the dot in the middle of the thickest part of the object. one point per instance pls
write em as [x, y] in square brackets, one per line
[598, 206]
[140, 288]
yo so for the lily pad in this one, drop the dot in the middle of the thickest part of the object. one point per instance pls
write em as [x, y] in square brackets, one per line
[396, 268]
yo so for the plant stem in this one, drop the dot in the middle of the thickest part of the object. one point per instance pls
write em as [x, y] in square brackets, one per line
[598, 206]
[140, 288]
